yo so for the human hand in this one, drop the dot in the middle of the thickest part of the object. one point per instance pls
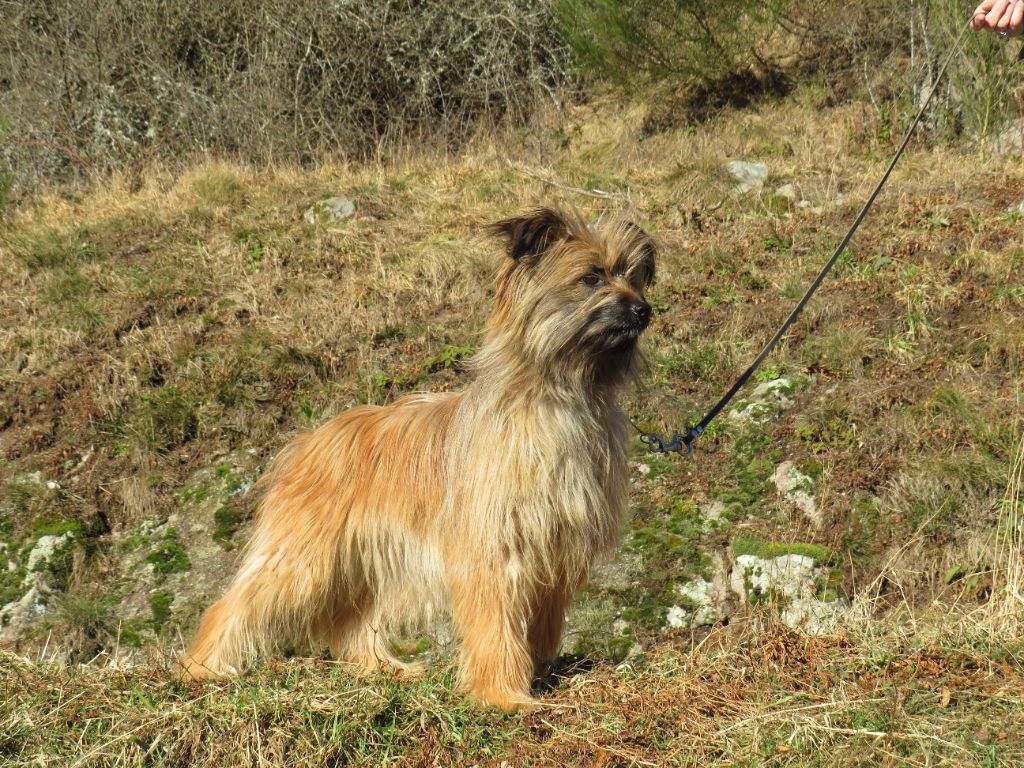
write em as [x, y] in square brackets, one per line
[1003, 16]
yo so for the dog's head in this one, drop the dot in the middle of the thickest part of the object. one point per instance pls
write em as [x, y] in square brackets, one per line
[571, 295]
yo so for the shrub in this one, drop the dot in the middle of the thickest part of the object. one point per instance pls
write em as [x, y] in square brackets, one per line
[107, 81]
[701, 55]
[707, 40]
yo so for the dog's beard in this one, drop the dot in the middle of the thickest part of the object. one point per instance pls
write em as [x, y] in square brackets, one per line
[606, 345]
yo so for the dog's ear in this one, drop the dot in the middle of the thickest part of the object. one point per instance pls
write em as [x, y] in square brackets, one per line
[643, 246]
[529, 235]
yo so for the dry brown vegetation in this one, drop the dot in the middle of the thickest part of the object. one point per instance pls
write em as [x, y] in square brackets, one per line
[156, 328]
[100, 84]
[740, 698]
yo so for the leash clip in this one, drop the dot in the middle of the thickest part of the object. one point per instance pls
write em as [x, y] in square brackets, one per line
[678, 442]
[661, 444]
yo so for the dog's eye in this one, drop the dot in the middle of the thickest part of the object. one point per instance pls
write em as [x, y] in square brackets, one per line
[592, 279]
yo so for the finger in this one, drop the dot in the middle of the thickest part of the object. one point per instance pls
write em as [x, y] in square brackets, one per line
[996, 13]
[980, 20]
[1017, 20]
[1004, 21]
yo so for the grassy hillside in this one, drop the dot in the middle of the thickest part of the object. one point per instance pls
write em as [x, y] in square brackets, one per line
[162, 340]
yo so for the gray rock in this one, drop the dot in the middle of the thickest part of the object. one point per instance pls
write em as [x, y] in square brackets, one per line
[329, 210]
[702, 608]
[824, 206]
[765, 402]
[788, 191]
[789, 580]
[703, 602]
[711, 516]
[1009, 141]
[790, 577]
[796, 487]
[749, 175]
[37, 583]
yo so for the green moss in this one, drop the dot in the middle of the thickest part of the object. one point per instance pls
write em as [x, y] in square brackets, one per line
[130, 637]
[830, 429]
[749, 491]
[160, 606]
[766, 550]
[669, 541]
[131, 543]
[168, 556]
[811, 469]
[227, 519]
[11, 587]
[195, 494]
[51, 526]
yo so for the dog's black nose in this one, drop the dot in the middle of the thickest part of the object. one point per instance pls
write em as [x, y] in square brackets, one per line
[642, 312]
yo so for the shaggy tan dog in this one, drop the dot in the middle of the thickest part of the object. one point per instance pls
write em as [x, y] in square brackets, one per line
[491, 504]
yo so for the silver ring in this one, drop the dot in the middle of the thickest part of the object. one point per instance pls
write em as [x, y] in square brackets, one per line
[1004, 33]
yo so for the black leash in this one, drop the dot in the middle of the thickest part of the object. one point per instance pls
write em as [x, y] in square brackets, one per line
[678, 442]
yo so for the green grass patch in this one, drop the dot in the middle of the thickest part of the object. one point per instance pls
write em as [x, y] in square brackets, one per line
[55, 249]
[55, 526]
[767, 550]
[219, 188]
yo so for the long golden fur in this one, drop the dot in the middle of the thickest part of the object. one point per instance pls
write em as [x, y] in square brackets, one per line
[490, 504]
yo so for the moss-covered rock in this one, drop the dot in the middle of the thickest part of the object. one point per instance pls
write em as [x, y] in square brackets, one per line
[793, 579]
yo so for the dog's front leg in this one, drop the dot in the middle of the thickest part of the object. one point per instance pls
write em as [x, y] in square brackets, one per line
[546, 625]
[492, 617]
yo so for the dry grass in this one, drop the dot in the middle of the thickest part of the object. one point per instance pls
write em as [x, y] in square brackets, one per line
[1003, 615]
[740, 698]
[154, 332]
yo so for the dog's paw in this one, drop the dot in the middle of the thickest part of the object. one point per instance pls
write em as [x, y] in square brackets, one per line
[510, 702]
[413, 670]
[191, 671]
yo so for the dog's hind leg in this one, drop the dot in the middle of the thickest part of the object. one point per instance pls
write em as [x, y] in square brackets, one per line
[227, 639]
[358, 637]
[275, 598]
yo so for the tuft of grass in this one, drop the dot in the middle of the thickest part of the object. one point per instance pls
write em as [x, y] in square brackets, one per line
[1003, 615]
[219, 188]
[55, 249]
